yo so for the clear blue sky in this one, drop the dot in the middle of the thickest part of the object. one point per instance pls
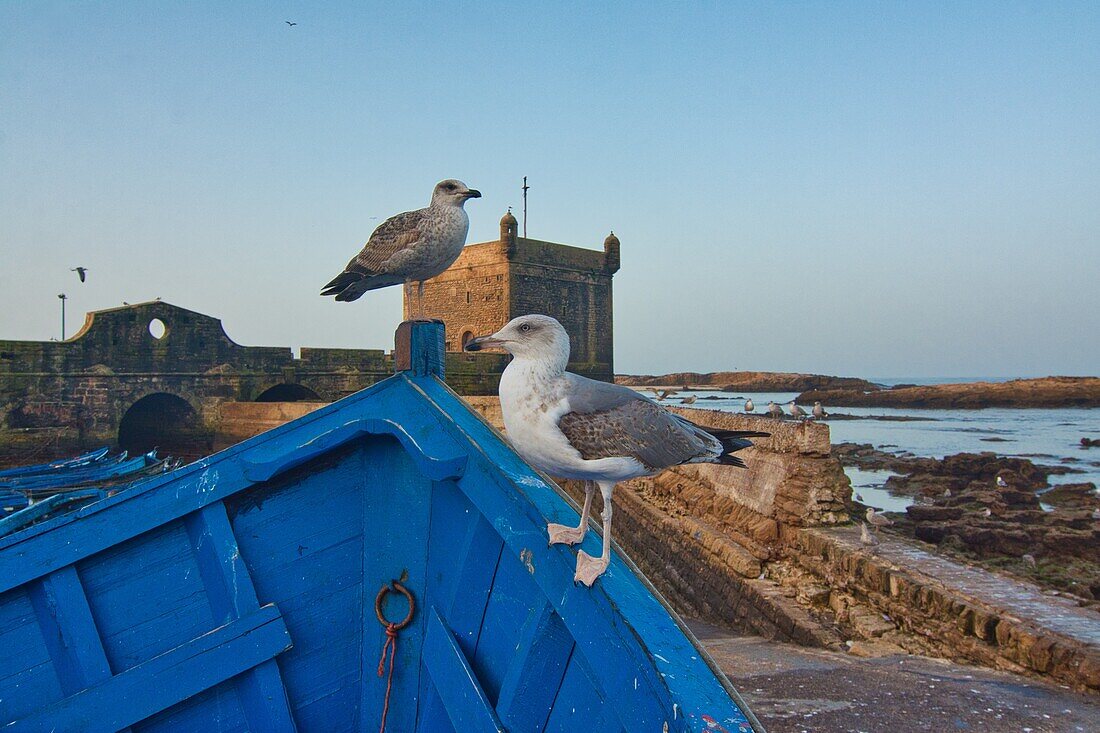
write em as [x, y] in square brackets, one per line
[906, 189]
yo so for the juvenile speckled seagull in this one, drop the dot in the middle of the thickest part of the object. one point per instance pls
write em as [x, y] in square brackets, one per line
[573, 427]
[819, 412]
[795, 411]
[410, 247]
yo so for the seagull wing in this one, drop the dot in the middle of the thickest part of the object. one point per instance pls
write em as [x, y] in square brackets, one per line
[372, 267]
[609, 421]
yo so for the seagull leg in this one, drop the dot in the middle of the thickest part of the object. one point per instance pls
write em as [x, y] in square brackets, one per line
[420, 299]
[563, 535]
[588, 567]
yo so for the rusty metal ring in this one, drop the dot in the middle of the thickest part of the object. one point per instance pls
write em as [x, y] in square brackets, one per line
[394, 587]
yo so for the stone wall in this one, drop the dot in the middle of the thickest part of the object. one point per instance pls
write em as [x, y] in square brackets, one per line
[59, 398]
[493, 282]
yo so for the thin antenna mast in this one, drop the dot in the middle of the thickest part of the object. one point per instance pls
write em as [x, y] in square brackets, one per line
[525, 187]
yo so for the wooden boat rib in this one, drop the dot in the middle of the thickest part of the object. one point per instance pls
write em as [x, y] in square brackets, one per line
[237, 593]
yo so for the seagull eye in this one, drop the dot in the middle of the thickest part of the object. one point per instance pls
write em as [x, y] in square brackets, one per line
[525, 327]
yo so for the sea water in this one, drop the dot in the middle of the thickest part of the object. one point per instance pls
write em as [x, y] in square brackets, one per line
[1047, 437]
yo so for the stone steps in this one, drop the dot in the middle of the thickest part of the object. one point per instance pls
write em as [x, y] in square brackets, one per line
[966, 612]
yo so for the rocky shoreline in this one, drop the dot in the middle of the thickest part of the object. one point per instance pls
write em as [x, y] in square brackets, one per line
[1045, 392]
[746, 381]
[988, 509]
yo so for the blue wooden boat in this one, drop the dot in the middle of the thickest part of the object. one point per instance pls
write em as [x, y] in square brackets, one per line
[258, 588]
[100, 472]
[81, 460]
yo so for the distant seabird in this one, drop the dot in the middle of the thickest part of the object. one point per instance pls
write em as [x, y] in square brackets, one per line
[749, 406]
[819, 412]
[81, 272]
[1001, 482]
[410, 247]
[795, 410]
[664, 394]
[289, 23]
[1029, 559]
[877, 520]
[987, 512]
[577, 428]
[775, 411]
[859, 498]
[689, 400]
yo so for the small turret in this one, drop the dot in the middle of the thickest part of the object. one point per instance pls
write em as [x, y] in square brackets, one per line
[508, 227]
[611, 253]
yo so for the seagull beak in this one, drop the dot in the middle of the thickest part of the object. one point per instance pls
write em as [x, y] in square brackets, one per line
[473, 193]
[483, 342]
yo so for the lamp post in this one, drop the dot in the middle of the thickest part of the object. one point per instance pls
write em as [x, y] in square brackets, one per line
[63, 298]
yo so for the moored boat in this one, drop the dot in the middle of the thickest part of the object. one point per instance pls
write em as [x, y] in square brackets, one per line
[262, 588]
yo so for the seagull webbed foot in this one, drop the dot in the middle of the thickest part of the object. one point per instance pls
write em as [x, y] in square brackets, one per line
[589, 568]
[560, 534]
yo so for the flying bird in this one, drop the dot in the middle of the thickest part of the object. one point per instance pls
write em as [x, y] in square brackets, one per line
[775, 411]
[877, 520]
[289, 23]
[81, 272]
[410, 247]
[577, 428]
[795, 411]
[819, 412]
[749, 406]
[664, 394]
[689, 400]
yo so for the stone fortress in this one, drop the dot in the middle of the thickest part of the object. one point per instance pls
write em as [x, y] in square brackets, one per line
[493, 282]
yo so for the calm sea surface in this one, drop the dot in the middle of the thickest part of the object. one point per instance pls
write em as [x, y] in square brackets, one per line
[1045, 436]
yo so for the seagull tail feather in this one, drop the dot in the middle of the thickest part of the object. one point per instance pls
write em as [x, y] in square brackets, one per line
[733, 441]
[348, 286]
[340, 283]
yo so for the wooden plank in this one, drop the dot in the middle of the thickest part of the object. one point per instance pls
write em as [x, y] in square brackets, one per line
[397, 507]
[463, 699]
[302, 538]
[231, 594]
[166, 680]
[579, 704]
[535, 674]
[474, 548]
[69, 630]
[515, 596]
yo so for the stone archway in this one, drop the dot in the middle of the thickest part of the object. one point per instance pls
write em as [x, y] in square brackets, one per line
[287, 392]
[165, 422]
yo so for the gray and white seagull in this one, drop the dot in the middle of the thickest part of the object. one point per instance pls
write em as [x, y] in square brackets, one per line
[573, 427]
[410, 247]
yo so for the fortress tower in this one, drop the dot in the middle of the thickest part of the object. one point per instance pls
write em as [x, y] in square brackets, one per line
[493, 282]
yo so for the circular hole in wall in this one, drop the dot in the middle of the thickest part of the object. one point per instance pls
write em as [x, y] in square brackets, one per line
[157, 329]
